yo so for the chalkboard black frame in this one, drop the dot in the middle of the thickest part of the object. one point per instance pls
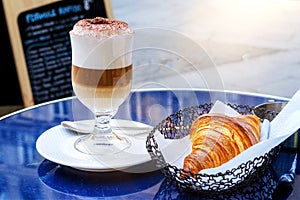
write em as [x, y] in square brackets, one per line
[42, 51]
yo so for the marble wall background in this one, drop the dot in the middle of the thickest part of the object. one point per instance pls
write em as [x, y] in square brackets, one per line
[254, 45]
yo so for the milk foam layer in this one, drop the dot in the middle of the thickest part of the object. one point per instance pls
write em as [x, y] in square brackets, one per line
[103, 45]
[100, 27]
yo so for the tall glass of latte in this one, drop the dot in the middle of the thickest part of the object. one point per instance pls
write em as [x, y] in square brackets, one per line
[101, 78]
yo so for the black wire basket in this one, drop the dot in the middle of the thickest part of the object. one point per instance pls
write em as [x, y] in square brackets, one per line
[177, 126]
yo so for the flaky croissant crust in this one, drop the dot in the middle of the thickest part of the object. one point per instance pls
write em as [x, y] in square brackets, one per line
[217, 138]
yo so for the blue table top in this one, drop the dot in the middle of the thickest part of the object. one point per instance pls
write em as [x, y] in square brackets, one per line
[27, 175]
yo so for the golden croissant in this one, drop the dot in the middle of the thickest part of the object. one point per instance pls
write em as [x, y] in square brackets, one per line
[217, 138]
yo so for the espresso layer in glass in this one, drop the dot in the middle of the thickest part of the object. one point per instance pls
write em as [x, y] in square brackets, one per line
[102, 89]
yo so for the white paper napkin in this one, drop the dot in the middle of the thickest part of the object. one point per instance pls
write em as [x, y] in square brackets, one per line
[288, 120]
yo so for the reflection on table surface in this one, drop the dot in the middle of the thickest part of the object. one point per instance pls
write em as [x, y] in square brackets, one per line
[27, 175]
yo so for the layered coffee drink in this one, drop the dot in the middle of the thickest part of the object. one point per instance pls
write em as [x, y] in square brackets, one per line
[101, 62]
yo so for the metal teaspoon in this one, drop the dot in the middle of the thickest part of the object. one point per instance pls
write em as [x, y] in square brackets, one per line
[85, 127]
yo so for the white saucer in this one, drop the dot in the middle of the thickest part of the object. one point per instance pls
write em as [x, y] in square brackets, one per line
[57, 145]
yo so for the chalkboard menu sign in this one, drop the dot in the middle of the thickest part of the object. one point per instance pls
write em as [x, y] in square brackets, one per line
[46, 44]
